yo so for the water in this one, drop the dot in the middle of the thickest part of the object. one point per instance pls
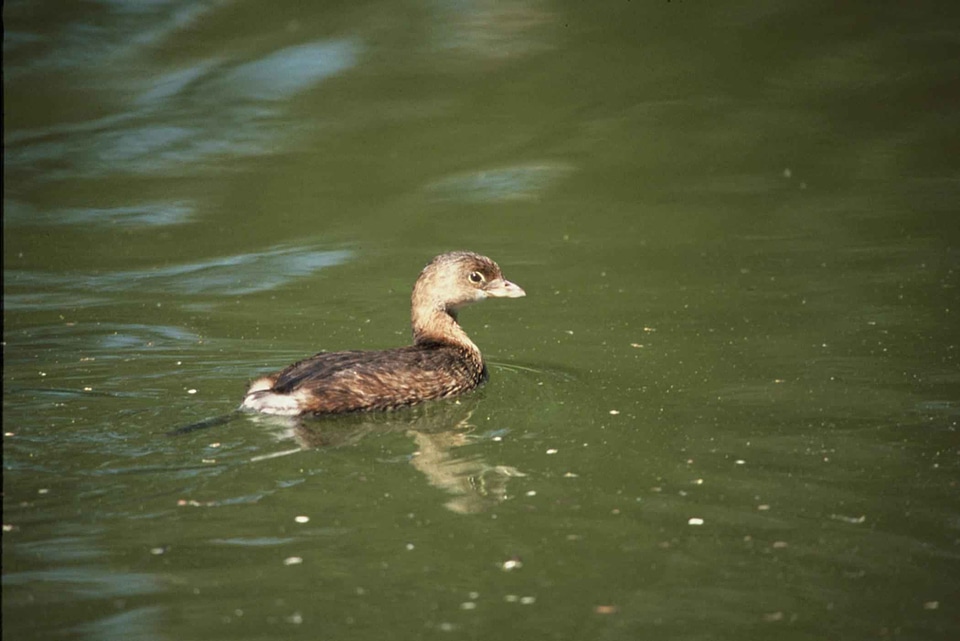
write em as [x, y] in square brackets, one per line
[727, 408]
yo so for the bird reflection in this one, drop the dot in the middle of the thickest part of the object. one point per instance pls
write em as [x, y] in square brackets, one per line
[438, 430]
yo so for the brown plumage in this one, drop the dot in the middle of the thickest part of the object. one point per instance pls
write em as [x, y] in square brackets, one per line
[442, 361]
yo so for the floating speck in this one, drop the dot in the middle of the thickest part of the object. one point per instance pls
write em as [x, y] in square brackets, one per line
[614, 412]
[87, 389]
[474, 595]
[740, 461]
[157, 551]
[43, 490]
[293, 560]
[698, 482]
[763, 508]
[302, 519]
[511, 598]
[192, 503]
[8, 527]
[191, 391]
[605, 609]
[772, 617]
[532, 493]
[855, 520]
[296, 618]
[551, 451]
[497, 438]
[9, 434]
[512, 564]
[410, 546]
[695, 521]
[468, 605]
[570, 475]
[931, 605]
[528, 600]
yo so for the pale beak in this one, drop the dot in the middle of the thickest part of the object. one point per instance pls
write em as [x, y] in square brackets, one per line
[502, 288]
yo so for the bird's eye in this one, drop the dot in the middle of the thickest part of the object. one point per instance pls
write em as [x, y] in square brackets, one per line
[476, 278]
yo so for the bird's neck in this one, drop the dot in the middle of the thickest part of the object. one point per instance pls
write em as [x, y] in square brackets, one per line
[435, 324]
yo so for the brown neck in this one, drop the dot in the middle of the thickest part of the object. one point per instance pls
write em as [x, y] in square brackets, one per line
[438, 325]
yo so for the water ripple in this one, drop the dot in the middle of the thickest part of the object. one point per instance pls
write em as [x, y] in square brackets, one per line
[226, 276]
[289, 71]
[212, 109]
[150, 214]
[519, 182]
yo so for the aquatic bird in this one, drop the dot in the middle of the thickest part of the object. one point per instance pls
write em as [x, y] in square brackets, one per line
[442, 361]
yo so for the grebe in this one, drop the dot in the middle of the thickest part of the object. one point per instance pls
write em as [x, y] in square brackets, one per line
[442, 361]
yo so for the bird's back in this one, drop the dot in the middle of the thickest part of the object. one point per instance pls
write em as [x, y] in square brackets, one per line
[337, 382]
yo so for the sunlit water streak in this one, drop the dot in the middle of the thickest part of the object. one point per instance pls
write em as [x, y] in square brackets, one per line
[227, 276]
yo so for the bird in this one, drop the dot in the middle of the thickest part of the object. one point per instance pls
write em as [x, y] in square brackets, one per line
[442, 361]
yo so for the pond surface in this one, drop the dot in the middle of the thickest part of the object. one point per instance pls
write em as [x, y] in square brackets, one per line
[727, 408]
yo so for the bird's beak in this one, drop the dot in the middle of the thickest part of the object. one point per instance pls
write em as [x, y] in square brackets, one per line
[502, 288]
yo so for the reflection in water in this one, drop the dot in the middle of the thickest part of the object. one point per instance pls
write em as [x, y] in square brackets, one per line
[520, 182]
[151, 214]
[167, 86]
[287, 72]
[438, 429]
[121, 30]
[101, 339]
[229, 276]
[213, 108]
[495, 30]
[474, 483]
[26, 302]
[137, 623]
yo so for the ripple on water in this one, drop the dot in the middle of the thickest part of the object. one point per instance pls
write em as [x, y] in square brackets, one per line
[149, 214]
[519, 182]
[263, 541]
[37, 301]
[100, 339]
[225, 276]
[283, 74]
[220, 108]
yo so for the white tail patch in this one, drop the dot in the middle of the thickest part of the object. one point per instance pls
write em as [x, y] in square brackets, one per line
[267, 402]
[260, 384]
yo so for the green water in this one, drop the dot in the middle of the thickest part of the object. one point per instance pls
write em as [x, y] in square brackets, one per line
[726, 409]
